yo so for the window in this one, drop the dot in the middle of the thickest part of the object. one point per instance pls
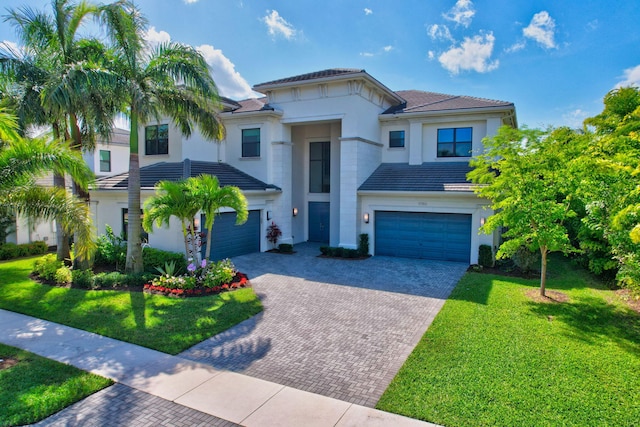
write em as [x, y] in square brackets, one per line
[454, 142]
[396, 139]
[156, 139]
[144, 236]
[251, 142]
[105, 161]
[319, 167]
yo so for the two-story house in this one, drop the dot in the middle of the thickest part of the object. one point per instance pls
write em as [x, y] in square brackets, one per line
[327, 156]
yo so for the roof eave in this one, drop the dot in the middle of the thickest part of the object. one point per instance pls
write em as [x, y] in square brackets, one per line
[509, 109]
[267, 113]
[405, 193]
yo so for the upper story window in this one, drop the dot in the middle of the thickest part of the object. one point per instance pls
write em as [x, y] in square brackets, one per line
[105, 161]
[251, 142]
[156, 139]
[319, 167]
[396, 139]
[454, 142]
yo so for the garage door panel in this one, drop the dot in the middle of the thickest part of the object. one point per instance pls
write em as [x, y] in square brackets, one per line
[229, 240]
[423, 235]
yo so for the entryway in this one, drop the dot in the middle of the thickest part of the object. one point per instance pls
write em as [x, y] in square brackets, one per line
[319, 222]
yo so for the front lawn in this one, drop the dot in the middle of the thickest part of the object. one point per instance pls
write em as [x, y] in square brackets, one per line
[32, 387]
[493, 356]
[167, 324]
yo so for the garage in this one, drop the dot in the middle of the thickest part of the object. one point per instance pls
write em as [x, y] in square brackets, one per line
[231, 240]
[436, 236]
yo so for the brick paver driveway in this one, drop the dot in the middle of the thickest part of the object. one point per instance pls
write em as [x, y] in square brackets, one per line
[340, 328]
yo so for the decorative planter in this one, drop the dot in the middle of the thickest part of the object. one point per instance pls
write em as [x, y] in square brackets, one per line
[239, 281]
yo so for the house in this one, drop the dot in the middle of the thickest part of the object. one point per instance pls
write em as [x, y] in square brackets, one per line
[327, 156]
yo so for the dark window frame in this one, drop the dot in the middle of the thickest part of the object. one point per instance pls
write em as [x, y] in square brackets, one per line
[324, 161]
[250, 146]
[395, 141]
[105, 164]
[156, 146]
[455, 141]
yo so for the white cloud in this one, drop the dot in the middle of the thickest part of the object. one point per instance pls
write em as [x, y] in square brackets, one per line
[366, 54]
[631, 77]
[367, 11]
[473, 54]
[541, 29]
[277, 25]
[388, 48]
[515, 47]
[575, 118]
[431, 55]
[154, 37]
[190, 1]
[462, 13]
[230, 83]
[439, 32]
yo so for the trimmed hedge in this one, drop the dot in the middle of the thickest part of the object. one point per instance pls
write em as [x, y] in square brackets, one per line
[11, 250]
[152, 258]
[339, 252]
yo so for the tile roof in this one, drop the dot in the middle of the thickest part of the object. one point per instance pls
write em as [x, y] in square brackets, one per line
[152, 174]
[332, 72]
[433, 176]
[419, 101]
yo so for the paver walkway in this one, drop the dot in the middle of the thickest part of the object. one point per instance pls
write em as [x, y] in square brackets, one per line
[158, 389]
[339, 328]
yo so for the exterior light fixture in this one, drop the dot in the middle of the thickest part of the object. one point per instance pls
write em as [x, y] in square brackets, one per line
[268, 215]
[196, 222]
[482, 221]
[295, 211]
[365, 217]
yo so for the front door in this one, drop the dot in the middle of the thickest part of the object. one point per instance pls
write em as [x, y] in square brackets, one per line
[319, 222]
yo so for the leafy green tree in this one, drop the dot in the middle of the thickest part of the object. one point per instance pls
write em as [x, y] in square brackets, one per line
[22, 161]
[522, 174]
[170, 80]
[211, 197]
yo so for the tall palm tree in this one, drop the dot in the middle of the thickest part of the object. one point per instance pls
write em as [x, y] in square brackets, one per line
[170, 80]
[173, 199]
[211, 197]
[22, 161]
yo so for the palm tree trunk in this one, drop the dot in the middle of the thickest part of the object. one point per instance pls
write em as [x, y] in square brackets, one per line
[543, 270]
[209, 238]
[62, 238]
[77, 190]
[134, 250]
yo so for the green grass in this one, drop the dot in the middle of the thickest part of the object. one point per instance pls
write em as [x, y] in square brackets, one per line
[170, 325]
[495, 357]
[37, 387]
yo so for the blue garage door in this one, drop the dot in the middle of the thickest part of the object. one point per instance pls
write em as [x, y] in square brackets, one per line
[445, 237]
[231, 240]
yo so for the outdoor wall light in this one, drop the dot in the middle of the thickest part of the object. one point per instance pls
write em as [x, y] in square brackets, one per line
[268, 215]
[196, 223]
[365, 217]
[295, 211]
[482, 221]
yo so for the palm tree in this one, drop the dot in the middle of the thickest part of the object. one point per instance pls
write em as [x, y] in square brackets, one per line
[173, 199]
[22, 161]
[211, 197]
[170, 80]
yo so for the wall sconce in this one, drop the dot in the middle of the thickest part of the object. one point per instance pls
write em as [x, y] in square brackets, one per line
[196, 222]
[365, 217]
[482, 221]
[295, 211]
[268, 215]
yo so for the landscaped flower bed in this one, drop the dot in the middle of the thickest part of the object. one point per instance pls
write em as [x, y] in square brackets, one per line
[204, 279]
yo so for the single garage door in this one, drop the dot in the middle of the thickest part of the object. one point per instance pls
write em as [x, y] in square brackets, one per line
[437, 236]
[231, 240]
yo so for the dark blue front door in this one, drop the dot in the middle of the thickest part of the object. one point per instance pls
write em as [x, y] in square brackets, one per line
[231, 240]
[319, 222]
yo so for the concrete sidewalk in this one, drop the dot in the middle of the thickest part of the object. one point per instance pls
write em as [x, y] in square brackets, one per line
[226, 395]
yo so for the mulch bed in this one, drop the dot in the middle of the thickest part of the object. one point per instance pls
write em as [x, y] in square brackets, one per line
[632, 302]
[551, 297]
[6, 363]
[239, 281]
[510, 272]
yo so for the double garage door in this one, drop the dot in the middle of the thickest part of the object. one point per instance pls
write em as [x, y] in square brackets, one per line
[231, 240]
[436, 236]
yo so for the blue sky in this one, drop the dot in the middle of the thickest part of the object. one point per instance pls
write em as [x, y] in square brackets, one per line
[554, 59]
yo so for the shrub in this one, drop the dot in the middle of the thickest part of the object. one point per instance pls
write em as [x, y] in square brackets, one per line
[363, 245]
[173, 282]
[136, 279]
[109, 280]
[219, 273]
[111, 250]
[46, 266]
[350, 253]
[285, 248]
[526, 260]
[324, 250]
[485, 256]
[38, 248]
[9, 251]
[153, 258]
[273, 233]
[63, 275]
[82, 278]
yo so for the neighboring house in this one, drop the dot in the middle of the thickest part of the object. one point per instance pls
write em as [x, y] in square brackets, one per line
[329, 155]
[109, 157]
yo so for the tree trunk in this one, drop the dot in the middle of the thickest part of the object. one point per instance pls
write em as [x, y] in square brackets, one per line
[62, 238]
[77, 190]
[209, 238]
[543, 270]
[134, 248]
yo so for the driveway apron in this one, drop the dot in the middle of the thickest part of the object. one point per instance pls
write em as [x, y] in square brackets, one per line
[339, 328]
